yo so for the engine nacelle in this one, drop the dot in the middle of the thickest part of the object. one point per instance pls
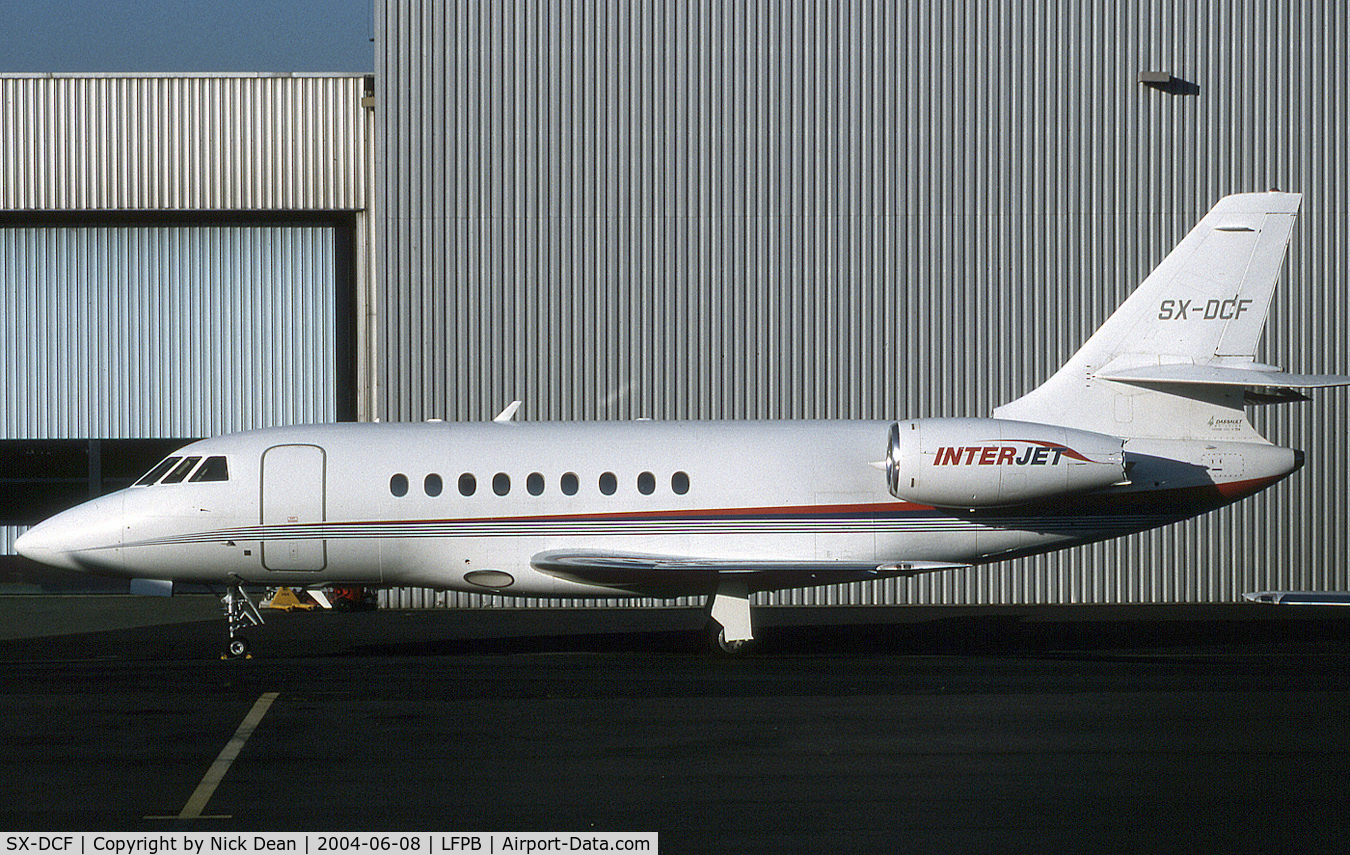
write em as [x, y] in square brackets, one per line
[980, 463]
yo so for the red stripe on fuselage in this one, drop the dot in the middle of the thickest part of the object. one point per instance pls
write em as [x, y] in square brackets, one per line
[1206, 497]
[782, 511]
[1242, 489]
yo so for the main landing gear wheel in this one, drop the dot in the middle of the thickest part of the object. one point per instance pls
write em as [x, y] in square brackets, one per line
[732, 648]
[729, 617]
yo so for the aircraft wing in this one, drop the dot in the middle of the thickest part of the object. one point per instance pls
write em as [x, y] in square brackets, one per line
[637, 571]
[1300, 598]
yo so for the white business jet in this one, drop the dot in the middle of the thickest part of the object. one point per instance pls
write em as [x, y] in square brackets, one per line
[1144, 426]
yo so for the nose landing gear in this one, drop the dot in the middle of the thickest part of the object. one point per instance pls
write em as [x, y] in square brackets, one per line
[240, 613]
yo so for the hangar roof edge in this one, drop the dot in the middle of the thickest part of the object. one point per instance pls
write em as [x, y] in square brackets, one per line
[175, 75]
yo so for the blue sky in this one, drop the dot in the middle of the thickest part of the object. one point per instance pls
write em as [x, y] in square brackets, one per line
[185, 35]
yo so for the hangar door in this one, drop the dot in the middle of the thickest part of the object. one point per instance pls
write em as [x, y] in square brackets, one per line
[123, 334]
[173, 330]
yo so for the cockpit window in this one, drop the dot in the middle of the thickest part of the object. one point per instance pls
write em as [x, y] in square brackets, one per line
[181, 470]
[214, 469]
[158, 472]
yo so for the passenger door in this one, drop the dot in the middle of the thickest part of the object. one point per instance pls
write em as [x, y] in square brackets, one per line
[293, 503]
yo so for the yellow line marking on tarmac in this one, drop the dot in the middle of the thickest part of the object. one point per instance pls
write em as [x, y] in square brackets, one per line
[200, 796]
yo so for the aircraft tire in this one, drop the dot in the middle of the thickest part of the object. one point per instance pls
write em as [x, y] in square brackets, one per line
[236, 648]
[718, 644]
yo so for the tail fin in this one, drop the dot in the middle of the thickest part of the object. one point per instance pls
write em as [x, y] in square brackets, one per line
[1177, 358]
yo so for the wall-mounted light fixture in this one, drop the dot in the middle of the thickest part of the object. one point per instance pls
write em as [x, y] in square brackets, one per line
[1164, 81]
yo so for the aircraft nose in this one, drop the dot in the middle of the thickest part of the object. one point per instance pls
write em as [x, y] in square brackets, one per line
[35, 544]
[87, 537]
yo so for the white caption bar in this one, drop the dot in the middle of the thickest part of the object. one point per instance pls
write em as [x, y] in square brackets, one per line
[327, 843]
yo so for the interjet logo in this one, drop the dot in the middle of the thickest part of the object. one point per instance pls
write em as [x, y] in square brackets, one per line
[1028, 452]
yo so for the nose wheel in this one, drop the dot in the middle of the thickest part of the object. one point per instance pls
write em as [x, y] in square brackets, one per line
[240, 614]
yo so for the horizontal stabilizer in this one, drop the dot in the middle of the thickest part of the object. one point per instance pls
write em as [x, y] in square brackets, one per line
[1209, 375]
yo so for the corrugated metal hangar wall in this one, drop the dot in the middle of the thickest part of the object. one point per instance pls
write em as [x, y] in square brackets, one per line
[181, 257]
[863, 209]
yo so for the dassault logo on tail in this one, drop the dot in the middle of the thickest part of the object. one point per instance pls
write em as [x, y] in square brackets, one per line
[1033, 453]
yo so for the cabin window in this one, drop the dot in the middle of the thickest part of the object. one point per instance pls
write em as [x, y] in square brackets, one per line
[608, 483]
[181, 470]
[214, 469]
[646, 483]
[158, 472]
[468, 485]
[535, 483]
[679, 483]
[501, 483]
[398, 485]
[568, 483]
[432, 484]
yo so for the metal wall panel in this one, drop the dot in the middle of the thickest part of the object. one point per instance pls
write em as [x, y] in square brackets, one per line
[9, 534]
[203, 142]
[821, 208]
[125, 332]
[429, 598]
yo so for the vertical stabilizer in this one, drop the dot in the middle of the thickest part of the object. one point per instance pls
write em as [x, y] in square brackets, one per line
[1198, 315]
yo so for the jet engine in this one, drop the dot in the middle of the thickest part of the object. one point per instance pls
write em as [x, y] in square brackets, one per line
[980, 463]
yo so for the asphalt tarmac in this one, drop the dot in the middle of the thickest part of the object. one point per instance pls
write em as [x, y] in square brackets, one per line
[1191, 729]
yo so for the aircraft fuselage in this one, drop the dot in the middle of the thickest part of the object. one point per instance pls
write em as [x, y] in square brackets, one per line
[484, 507]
